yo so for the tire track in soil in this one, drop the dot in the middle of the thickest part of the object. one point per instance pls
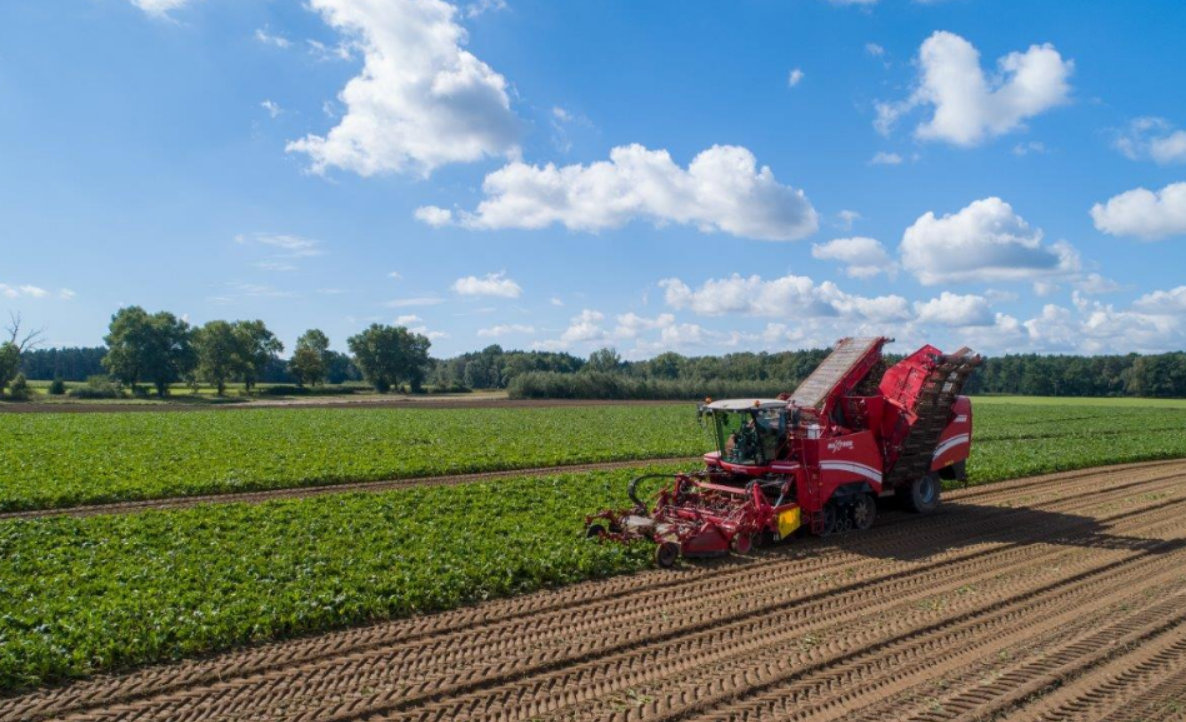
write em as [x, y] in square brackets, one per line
[293, 492]
[1051, 594]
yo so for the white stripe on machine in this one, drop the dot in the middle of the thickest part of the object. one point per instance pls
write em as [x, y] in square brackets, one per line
[852, 467]
[956, 440]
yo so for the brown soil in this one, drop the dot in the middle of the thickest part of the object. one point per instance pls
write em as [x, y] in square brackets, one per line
[254, 497]
[1060, 597]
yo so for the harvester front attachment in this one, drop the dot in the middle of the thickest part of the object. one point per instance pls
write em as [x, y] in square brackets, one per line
[690, 516]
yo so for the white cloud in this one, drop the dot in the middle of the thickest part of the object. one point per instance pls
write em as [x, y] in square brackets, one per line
[268, 38]
[951, 309]
[505, 329]
[430, 335]
[66, 294]
[874, 49]
[1094, 284]
[293, 246]
[847, 218]
[421, 100]
[492, 284]
[631, 324]
[1152, 138]
[408, 319]
[863, 257]
[1172, 301]
[883, 158]
[434, 216]
[1034, 147]
[26, 290]
[584, 328]
[414, 302]
[985, 241]
[794, 77]
[781, 297]
[555, 301]
[275, 266]
[1143, 213]
[721, 190]
[395, 275]
[323, 52]
[159, 8]
[970, 107]
[273, 108]
[481, 7]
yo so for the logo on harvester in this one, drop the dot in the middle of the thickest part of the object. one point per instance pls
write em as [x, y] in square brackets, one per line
[839, 445]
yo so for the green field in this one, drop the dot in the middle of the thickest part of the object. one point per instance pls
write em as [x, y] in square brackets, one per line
[78, 596]
[55, 460]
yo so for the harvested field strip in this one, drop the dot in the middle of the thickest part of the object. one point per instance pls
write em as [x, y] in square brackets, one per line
[181, 502]
[1057, 587]
[69, 460]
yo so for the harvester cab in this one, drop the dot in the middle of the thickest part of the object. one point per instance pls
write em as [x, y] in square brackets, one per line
[816, 458]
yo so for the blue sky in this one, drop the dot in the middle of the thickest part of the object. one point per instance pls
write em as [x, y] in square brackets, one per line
[685, 176]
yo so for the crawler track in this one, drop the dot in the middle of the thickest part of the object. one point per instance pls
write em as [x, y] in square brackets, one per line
[1057, 598]
[254, 497]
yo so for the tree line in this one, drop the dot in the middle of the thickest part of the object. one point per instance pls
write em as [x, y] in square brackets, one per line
[160, 349]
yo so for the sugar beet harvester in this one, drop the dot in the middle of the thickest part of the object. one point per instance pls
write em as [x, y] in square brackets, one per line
[816, 458]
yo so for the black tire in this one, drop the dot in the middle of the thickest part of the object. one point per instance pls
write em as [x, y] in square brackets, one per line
[864, 511]
[923, 495]
[666, 554]
[829, 523]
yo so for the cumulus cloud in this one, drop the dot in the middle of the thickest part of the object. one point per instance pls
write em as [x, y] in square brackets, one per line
[492, 284]
[1172, 301]
[584, 327]
[951, 309]
[794, 77]
[722, 190]
[434, 216]
[862, 257]
[883, 158]
[1154, 139]
[421, 100]
[986, 241]
[408, 319]
[1143, 213]
[273, 108]
[505, 329]
[970, 106]
[789, 295]
[631, 324]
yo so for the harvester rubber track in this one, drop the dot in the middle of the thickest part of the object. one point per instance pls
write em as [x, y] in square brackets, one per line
[932, 414]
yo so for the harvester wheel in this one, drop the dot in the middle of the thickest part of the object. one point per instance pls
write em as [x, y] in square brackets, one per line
[923, 495]
[666, 554]
[864, 511]
[828, 526]
[742, 543]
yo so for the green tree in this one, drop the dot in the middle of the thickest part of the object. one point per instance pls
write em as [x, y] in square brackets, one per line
[155, 348]
[220, 354]
[310, 358]
[387, 355]
[604, 359]
[257, 346]
[10, 363]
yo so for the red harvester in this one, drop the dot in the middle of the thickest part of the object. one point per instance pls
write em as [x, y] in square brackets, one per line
[817, 458]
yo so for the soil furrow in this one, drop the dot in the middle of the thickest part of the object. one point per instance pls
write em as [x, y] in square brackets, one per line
[1053, 572]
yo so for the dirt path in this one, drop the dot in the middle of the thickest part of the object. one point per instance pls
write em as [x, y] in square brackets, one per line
[254, 497]
[1059, 597]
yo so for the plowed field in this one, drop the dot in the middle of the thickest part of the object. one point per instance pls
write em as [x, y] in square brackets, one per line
[1057, 597]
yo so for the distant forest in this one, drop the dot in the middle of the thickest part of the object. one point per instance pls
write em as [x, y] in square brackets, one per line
[670, 375]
